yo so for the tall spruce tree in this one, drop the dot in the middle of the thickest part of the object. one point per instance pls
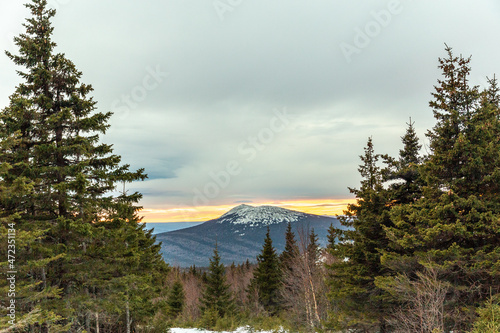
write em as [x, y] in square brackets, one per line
[288, 264]
[86, 243]
[176, 299]
[19, 244]
[291, 250]
[313, 248]
[402, 173]
[332, 236]
[359, 302]
[405, 187]
[453, 227]
[267, 276]
[217, 296]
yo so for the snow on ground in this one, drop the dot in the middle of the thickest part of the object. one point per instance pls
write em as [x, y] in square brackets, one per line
[239, 330]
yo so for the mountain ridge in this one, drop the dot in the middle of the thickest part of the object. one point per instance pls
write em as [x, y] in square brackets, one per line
[239, 234]
[246, 214]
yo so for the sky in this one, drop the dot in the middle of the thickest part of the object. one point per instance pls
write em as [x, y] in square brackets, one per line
[259, 102]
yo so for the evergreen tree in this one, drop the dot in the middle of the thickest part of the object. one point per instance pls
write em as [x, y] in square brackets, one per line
[488, 320]
[288, 263]
[313, 249]
[267, 276]
[19, 244]
[453, 228]
[217, 296]
[291, 249]
[359, 302]
[406, 183]
[193, 270]
[175, 300]
[87, 245]
[405, 188]
[332, 236]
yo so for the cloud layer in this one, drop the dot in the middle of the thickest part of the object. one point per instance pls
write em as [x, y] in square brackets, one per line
[196, 86]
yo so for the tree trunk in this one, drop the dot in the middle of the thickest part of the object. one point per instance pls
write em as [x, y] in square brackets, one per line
[44, 278]
[129, 321]
[97, 322]
[62, 204]
[315, 302]
[87, 321]
[382, 325]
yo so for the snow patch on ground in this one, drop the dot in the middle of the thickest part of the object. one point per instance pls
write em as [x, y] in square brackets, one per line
[238, 330]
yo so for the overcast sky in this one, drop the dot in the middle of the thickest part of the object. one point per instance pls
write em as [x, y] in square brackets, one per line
[232, 101]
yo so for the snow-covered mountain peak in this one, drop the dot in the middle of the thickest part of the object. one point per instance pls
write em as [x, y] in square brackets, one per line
[241, 209]
[262, 215]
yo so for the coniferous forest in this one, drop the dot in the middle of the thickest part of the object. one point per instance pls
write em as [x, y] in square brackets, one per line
[419, 251]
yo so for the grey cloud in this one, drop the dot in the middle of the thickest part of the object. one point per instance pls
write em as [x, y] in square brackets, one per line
[225, 78]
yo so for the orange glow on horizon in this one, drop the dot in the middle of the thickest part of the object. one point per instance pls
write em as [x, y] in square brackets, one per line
[205, 213]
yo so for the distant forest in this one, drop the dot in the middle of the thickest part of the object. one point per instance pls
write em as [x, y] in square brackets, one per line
[419, 251]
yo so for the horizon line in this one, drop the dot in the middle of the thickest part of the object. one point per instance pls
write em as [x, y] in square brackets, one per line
[177, 214]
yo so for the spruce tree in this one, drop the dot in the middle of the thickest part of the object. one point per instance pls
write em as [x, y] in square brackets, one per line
[87, 244]
[313, 249]
[403, 173]
[405, 187]
[19, 243]
[332, 237]
[217, 296]
[453, 228]
[359, 302]
[291, 249]
[288, 263]
[267, 276]
[175, 300]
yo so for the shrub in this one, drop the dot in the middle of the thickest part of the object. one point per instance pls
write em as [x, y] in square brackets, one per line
[489, 318]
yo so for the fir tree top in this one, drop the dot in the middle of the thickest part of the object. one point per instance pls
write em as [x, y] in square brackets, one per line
[291, 248]
[58, 126]
[217, 296]
[267, 275]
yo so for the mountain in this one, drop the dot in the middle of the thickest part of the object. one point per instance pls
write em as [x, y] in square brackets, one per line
[240, 234]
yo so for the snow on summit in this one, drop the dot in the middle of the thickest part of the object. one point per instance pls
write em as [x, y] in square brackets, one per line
[246, 214]
[239, 234]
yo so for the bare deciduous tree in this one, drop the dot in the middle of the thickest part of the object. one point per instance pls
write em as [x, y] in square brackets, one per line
[192, 294]
[304, 287]
[238, 278]
[424, 299]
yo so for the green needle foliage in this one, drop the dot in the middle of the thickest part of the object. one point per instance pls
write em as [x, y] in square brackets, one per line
[313, 249]
[405, 188]
[217, 298]
[489, 318]
[291, 250]
[454, 226]
[403, 173]
[175, 300]
[434, 219]
[359, 303]
[82, 254]
[267, 277]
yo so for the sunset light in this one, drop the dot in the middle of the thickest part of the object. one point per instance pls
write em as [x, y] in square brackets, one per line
[329, 207]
